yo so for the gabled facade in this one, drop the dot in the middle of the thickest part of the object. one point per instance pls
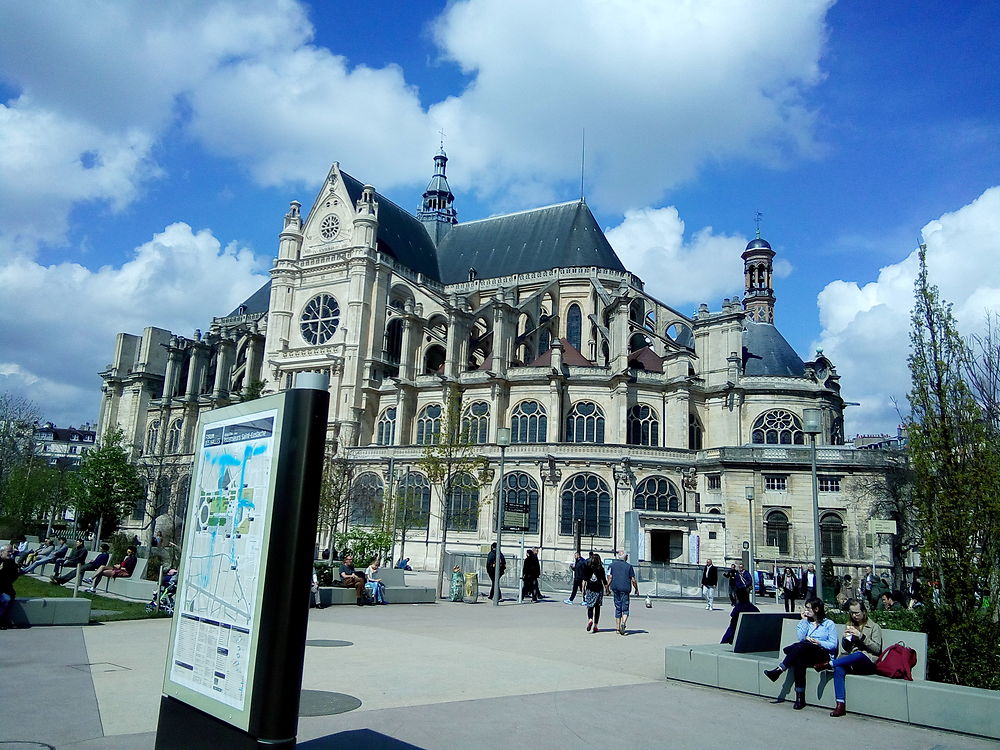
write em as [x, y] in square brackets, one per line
[616, 400]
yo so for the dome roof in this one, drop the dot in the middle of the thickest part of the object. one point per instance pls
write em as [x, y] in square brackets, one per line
[758, 244]
[765, 352]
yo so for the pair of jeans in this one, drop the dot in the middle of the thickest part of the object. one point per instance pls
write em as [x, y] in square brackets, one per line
[856, 662]
[709, 593]
[5, 601]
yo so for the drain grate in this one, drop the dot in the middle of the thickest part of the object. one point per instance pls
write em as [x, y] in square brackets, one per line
[323, 703]
[100, 667]
[328, 644]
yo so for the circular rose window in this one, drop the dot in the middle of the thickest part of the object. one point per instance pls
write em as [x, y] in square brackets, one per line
[329, 227]
[320, 319]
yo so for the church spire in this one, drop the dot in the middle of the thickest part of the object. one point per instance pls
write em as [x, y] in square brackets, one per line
[437, 211]
[758, 268]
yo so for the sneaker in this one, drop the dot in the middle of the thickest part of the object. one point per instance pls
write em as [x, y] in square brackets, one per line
[621, 629]
[88, 580]
[590, 624]
[594, 630]
[772, 674]
[567, 601]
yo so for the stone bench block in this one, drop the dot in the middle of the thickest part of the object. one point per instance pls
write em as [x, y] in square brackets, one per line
[51, 611]
[690, 664]
[954, 707]
[872, 695]
[409, 595]
[739, 673]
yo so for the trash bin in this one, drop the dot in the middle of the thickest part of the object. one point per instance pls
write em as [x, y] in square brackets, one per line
[457, 585]
[471, 588]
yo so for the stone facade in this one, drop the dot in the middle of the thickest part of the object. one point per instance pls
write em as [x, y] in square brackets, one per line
[616, 400]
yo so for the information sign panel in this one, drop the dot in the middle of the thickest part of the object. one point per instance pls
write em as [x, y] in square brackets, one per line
[515, 516]
[881, 527]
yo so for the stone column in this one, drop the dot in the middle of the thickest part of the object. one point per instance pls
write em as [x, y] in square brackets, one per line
[225, 354]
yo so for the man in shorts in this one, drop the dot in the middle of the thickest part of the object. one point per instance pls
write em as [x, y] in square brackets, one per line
[621, 581]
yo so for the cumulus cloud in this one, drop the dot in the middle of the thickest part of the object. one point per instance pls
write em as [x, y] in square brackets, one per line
[661, 88]
[58, 322]
[676, 270]
[866, 325]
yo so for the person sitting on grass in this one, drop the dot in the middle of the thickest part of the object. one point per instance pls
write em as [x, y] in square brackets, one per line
[124, 569]
[101, 559]
[816, 644]
[862, 644]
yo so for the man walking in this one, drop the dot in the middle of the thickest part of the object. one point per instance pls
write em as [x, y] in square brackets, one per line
[621, 581]
[494, 574]
[578, 567]
[809, 582]
[709, 580]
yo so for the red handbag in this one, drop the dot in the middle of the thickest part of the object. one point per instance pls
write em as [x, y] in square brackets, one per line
[897, 662]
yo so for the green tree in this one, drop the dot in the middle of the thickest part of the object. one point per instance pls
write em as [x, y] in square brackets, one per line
[888, 496]
[17, 425]
[107, 485]
[956, 492]
[451, 461]
[334, 496]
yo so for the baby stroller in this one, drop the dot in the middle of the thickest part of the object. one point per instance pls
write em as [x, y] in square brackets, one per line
[163, 597]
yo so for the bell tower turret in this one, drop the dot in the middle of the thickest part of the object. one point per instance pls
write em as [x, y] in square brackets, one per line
[758, 268]
[437, 208]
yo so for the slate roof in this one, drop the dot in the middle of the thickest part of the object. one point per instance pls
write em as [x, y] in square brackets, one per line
[571, 356]
[765, 352]
[646, 359]
[561, 236]
[400, 234]
[258, 302]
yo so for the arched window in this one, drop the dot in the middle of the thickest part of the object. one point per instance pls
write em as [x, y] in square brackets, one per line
[585, 423]
[643, 426]
[831, 535]
[528, 423]
[695, 432]
[153, 436]
[586, 497]
[574, 325]
[394, 340]
[657, 493]
[429, 425]
[366, 500]
[777, 427]
[463, 503]
[174, 437]
[776, 531]
[413, 504]
[434, 359]
[476, 422]
[385, 430]
[519, 487]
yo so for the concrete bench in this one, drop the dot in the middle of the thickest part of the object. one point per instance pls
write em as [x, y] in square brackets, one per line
[134, 587]
[50, 611]
[396, 591]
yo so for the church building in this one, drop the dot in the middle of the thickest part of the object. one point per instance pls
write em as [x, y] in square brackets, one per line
[614, 400]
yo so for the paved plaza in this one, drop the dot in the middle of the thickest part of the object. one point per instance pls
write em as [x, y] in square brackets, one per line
[437, 676]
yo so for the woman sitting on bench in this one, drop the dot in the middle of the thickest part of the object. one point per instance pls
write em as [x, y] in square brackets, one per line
[862, 643]
[123, 569]
[816, 644]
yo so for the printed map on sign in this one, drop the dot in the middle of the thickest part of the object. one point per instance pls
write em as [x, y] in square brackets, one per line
[218, 590]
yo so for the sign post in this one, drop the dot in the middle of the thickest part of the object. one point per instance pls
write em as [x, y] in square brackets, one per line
[237, 642]
[876, 527]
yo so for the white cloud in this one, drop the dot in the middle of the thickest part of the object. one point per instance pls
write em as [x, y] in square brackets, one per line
[58, 322]
[866, 327]
[651, 244]
[661, 89]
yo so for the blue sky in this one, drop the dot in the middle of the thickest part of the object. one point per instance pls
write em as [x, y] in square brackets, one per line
[147, 155]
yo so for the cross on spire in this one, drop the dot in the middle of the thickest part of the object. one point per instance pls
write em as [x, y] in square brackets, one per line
[441, 133]
[757, 216]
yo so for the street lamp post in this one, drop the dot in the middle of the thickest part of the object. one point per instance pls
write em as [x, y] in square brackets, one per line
[753, 548]
[503, 440]
[812, 420]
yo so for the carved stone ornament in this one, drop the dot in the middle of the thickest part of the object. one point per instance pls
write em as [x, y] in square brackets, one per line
[690, 479]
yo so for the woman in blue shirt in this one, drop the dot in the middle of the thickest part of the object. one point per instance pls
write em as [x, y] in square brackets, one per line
[817, 643]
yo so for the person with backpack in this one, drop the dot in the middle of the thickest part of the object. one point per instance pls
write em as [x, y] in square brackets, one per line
[862, 644]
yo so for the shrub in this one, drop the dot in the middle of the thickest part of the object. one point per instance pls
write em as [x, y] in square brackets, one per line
[120, 542]
[364, 544]
[324, 573]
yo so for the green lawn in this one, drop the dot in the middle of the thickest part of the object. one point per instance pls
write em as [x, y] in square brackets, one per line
[120, 609]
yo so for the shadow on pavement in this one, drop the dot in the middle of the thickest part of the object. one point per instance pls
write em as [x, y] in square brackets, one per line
[357, 739]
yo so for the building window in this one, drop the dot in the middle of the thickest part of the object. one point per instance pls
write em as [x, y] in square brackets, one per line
[776, 528]
[413, 502]
[544, 335]
[476, 423]
[775, 483]
[366, 500]
[528, 423]
[394, 341]
[174, 437]
[574, 325]
[385, 431]
[829, 484]
[715, 482]
[713, 535]
[585, 423]
[518, 487]
[320, 319]
[643, 426]
[777, 427]
[657, 493]
[695, 432]
[463, 504]
[831, 535]
[429, 425]
[585, 497]
[72, 449]
[153, 436]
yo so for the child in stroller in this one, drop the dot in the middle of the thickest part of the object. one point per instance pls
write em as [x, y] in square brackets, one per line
[163, 597]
